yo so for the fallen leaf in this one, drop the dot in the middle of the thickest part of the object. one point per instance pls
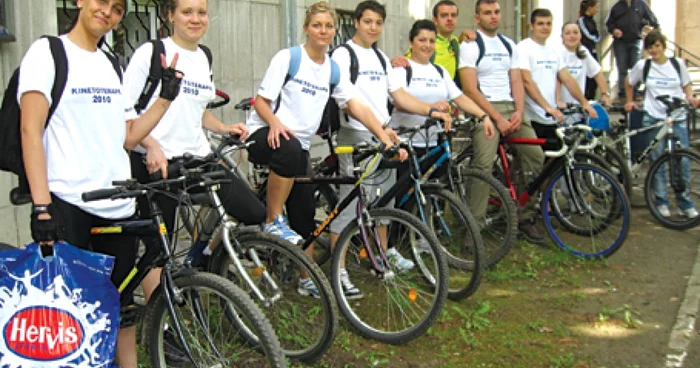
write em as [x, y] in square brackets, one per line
[546, 329]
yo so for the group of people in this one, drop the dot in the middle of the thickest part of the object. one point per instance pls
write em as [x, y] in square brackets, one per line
[96, 137]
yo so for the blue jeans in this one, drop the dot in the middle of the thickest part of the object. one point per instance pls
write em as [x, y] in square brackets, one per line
[626, 55]
[680, 129]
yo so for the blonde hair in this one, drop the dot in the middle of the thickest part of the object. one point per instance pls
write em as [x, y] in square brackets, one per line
[317, 8]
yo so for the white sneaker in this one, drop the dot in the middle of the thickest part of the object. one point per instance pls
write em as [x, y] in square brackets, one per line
[402, 264]
[349, 289]
[689, 213]
[663, 210]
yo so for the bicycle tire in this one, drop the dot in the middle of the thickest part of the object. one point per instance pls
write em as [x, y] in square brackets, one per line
[609, 218]
[458, 233]
[225, 294]
[675, 221]
[285, 262]
[499, 228]
[370, 316]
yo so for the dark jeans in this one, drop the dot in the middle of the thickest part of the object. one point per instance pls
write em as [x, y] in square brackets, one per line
[626, 55]
[591, 84]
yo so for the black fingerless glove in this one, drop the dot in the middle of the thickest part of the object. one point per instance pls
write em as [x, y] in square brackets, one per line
[170, 84]
[390, 152]
[46, 230]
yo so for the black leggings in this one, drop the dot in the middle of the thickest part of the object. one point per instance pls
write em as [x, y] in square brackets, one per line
[288, 161]
[78, 223]
[238, 199]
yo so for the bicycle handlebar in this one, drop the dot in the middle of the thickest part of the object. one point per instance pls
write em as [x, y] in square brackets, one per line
[564, 134]
[245, 104]
[225, 99]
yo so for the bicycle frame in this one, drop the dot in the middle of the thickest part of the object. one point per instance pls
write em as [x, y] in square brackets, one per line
[152, 258]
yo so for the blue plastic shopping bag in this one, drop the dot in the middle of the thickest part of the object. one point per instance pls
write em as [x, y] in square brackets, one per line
[57, 311]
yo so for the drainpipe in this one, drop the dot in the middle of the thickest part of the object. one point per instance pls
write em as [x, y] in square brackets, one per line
[289, 30]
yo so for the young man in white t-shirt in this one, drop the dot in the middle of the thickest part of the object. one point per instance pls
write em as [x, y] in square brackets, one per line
[494, 83]
[541, 66]
[664, 79]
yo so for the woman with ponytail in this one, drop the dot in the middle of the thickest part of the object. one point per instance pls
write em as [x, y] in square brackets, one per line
[590, 38]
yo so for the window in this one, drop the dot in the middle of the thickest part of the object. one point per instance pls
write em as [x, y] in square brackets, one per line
[345, 27]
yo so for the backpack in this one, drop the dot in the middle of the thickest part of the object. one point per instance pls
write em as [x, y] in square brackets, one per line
[156, 72]
[10, 126]
[482, 47]
[330, 123]
[294, 63]
[647, 68]
[409, 73]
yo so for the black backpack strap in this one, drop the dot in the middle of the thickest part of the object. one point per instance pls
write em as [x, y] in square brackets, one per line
[154, 75]
[60, 62]
[677, 66]
[354, 63]
[506, 44]
[482, 48]
[409, 74]
[440, 70]
[115, 64]
[380, 56]
[210, 58]
[645, 71]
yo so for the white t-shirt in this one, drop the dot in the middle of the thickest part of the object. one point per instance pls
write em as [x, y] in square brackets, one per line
[544, 64]
[180, 129]
[84, 141]
[662, 80]
[493, 72]
[303, 98]
[428, 86]
[580, 69]
[372, 82]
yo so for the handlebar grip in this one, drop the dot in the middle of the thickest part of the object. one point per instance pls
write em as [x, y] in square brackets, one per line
[216, 175]
[344, 150]
[173, 172]
[99, 194]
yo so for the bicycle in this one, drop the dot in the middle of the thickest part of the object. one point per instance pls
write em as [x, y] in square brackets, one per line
[192, 317]
[681, 165]
[264, 265]
[397, 307]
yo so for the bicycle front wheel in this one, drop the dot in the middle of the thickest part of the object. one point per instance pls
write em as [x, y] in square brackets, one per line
[453, 224]
[304, 323]
[591, 209]
[396, 305]
[674, 180]
[205, 301]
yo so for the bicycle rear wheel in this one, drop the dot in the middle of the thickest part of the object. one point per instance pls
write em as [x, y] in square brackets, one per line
[677, 177]
[499, 223]
[453, 224]
[591, 209]
[305, 325]
[397, 307]
[213, 340]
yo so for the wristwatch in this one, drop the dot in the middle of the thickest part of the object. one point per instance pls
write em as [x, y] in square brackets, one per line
[483, 117]
[38, 209]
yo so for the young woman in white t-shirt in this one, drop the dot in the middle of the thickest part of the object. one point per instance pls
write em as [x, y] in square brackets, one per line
[581, 65]
[286, 117]
[429, 86]
[663, 79]
[180, 130]
[83, 146]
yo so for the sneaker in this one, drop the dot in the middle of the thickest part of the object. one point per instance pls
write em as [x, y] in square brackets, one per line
[308, 288]
[350, 290]
[663, 210]
[280, 228]
[529, 231]
[402, 264]
[690, 213]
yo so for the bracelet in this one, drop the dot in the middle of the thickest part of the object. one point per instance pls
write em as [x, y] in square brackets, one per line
[38, 209]
[430, 112]
[483, 117]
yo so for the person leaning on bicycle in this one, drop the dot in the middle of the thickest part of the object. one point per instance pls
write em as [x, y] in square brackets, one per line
[663, 79]
[495, 85]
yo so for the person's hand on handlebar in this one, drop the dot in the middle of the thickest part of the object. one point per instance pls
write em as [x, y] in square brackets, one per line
[695, 102]
[156, 160]
[606, 100]
[236, 129]
[591, 111]
[392, 135]
[630, 106]
[555, 113]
